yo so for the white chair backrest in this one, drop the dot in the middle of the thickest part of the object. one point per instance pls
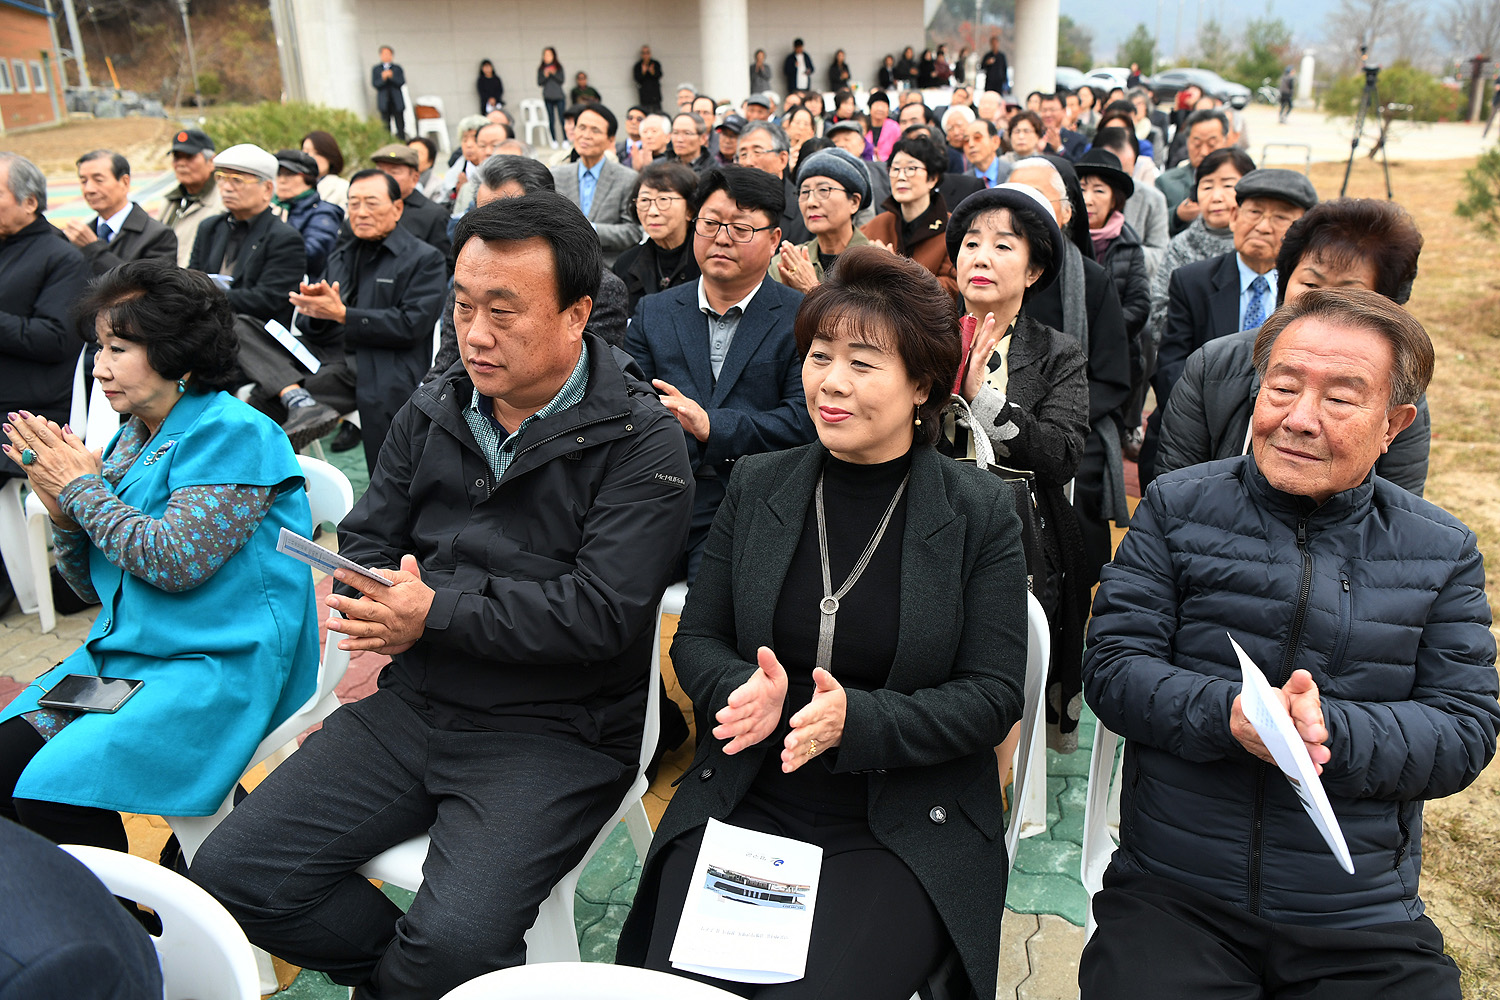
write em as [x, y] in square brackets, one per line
[103, 422]
[1028, 813]
[78, 410]
[1098, 845]
[583, 981]
[203, 952]
[329, 493]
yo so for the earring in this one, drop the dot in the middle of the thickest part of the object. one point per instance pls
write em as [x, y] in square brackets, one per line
[919, 422]
[182, 385]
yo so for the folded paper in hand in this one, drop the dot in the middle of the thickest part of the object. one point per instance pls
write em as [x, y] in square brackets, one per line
[1264, 711]
[287, 339]
[749, 909]
[310, 552]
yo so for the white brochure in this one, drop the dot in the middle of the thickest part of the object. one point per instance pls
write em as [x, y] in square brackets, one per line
[1276, 730]
[749, 909]
[308, 551]
[287, 339]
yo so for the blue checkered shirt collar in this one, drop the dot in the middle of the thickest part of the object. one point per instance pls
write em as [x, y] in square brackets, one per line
[500, 451]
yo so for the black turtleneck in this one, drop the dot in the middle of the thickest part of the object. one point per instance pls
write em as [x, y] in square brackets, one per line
[854, 499]
[668, 263]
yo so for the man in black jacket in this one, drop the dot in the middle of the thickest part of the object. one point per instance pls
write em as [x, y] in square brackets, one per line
[647, 73]
[120, 230]
[374, 312]
[546, 492]
[1348, 243]
[421, 217]
[1365, 608]
[253, 255]
[388, 78]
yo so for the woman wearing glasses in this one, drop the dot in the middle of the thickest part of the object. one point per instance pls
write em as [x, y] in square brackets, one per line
[858, 636]
[832, 187]
[914, 220]
[664, 203]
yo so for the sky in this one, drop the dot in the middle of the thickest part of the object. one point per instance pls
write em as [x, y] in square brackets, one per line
[1112, 21]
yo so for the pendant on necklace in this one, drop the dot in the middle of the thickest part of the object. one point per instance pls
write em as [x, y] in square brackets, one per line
[830, 605]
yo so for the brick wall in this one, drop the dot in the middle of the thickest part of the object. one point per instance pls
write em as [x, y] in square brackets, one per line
[24, 36]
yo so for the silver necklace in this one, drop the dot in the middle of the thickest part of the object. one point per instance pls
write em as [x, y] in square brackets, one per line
[830, 603]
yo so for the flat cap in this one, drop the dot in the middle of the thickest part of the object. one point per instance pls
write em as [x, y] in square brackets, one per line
[190, 141]
[847, 125]
[395, 152]
[248, 158]
[297, 162]
[1283, 185]
[759, 100]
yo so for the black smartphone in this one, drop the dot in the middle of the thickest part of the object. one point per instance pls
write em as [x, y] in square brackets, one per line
[87, 693]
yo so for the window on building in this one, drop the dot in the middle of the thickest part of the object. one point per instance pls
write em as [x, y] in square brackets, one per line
[23, 84]
[5, 85]
[38, 78]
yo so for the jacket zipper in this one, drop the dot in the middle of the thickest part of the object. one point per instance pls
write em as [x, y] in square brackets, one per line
[1294, 639]
[1346, 625]
[564, 433]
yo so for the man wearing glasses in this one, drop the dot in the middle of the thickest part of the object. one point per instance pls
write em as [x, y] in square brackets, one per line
[690, 141]
[257, 259]
[720, 349]
[764, 146]
[599, 186]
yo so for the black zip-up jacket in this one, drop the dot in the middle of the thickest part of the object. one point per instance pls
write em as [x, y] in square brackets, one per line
[548, 580]
[1375, 592]
[42, 276]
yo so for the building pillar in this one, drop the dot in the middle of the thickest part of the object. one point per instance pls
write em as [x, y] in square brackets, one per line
[1305, 78]
[323, 43]
[724, 39]
[1035, 58]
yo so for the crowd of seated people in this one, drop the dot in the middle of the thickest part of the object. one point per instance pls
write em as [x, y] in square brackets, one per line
[863, 373]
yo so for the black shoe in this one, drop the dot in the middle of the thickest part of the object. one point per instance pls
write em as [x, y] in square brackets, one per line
[306, 424]
[348, 438]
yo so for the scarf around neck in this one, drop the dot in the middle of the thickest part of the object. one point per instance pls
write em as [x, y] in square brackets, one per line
[1107, 234]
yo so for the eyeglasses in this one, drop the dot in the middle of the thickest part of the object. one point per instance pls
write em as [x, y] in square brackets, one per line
[908, 171]
[635, 118]
[738, 231]
[746, 152]
[678, 133]
[1254, 214]
[663, 202]
[823, 191]
[235, 180]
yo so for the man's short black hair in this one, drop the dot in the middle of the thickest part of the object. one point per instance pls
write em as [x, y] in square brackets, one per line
[431, 146]
[611, 125]
[501, 168]
[546, 215]
[752, 190]
[118, 165]
[1206, 115]
[391, 187]
[1034, 93]
[1116, 139]
[1059, 96]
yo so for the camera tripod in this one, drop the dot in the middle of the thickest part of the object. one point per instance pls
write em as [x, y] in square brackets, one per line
[1369, 100]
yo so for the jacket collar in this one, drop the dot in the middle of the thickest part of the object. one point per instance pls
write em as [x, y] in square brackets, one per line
[1349, 505]
[189, 407]
[37, 227]
[933, 222]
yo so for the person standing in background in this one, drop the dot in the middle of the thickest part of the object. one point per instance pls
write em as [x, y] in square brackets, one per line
[798, 68]
[647, 74]
[388, 78]
[995, 68]
[1284, 90]
[491, 88]
[760, 73]
[838, 73]
[549, 76]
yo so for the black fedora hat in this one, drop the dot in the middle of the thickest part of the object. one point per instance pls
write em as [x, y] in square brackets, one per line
[1105, 165]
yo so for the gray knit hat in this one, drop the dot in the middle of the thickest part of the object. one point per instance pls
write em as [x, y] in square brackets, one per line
[837, 165]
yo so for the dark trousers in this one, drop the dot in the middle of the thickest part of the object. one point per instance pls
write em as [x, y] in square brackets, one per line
[395, 121]
[1088, 503]
[1159, 938]
[58, 822]
[272, 368]
[875, 932]
[509, 814]
[555, 117]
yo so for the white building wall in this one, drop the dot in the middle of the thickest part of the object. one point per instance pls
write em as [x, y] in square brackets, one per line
[440, 43]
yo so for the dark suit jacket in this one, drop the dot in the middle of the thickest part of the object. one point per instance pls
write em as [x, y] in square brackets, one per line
[611, 212]
[756, 403]
[1074, 145]
[426, 221]
[271, 264]
[962, 607]
[1109, 349]
[141, 238]
[1203, 304]
[956, 187]
[789, 70]
[388, 100]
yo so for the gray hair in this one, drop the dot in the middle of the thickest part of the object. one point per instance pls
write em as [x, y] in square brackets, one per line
[698, 122]
[958, 111]
[689, 87]
[515, 147]
[779, 141]
[25, 180]
[1059, 186]
[664, 122]
[499, 169]
[473, 123]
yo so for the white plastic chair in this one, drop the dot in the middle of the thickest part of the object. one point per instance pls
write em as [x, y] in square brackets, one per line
[554, 937]
[99, 423]
[331, 497]
[534, 118]
[408, 112]
[1101, 817]
[203, 952]
[431, 120]
[583, 981]
[1028, 811]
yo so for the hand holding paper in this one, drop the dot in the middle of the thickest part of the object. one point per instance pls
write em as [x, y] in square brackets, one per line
[1300, 699]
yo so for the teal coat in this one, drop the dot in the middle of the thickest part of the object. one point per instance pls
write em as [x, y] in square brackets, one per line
[224, 663]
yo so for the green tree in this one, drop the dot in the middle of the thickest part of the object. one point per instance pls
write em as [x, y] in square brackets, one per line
[1268, 50]
[1075, 44]
[1481, 204]
[1400, 83]
[1215, 47]
[1139, 48]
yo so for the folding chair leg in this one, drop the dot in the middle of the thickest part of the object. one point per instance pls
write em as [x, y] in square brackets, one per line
[639, 825]
[41, 576]
[13, 546]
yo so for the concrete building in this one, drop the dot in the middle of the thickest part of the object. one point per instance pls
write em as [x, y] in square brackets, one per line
[328, 46]
[30, 87]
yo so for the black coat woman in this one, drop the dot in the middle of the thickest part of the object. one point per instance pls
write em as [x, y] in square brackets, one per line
[868, 730]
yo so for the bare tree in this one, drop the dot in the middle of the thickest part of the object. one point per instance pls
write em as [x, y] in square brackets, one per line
[1473, 26]
[1392, 29]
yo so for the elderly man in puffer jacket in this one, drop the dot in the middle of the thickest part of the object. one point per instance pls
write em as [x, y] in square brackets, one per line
[1365, 606]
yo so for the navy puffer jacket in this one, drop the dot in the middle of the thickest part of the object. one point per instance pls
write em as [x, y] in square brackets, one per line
[1380, 595]
[318, 221]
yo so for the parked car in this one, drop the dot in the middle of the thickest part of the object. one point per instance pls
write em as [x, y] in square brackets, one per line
[1166, 85]
[1069, 78]
[1106, 78]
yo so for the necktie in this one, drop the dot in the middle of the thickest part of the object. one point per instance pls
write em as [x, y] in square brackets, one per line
[1255, 310]
[586, 192]
[104, 231]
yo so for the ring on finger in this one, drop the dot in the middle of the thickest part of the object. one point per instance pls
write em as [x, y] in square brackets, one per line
[28, 456]
[812, 747]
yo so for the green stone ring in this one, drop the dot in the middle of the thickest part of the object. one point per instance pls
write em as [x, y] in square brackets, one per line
[28, 457]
